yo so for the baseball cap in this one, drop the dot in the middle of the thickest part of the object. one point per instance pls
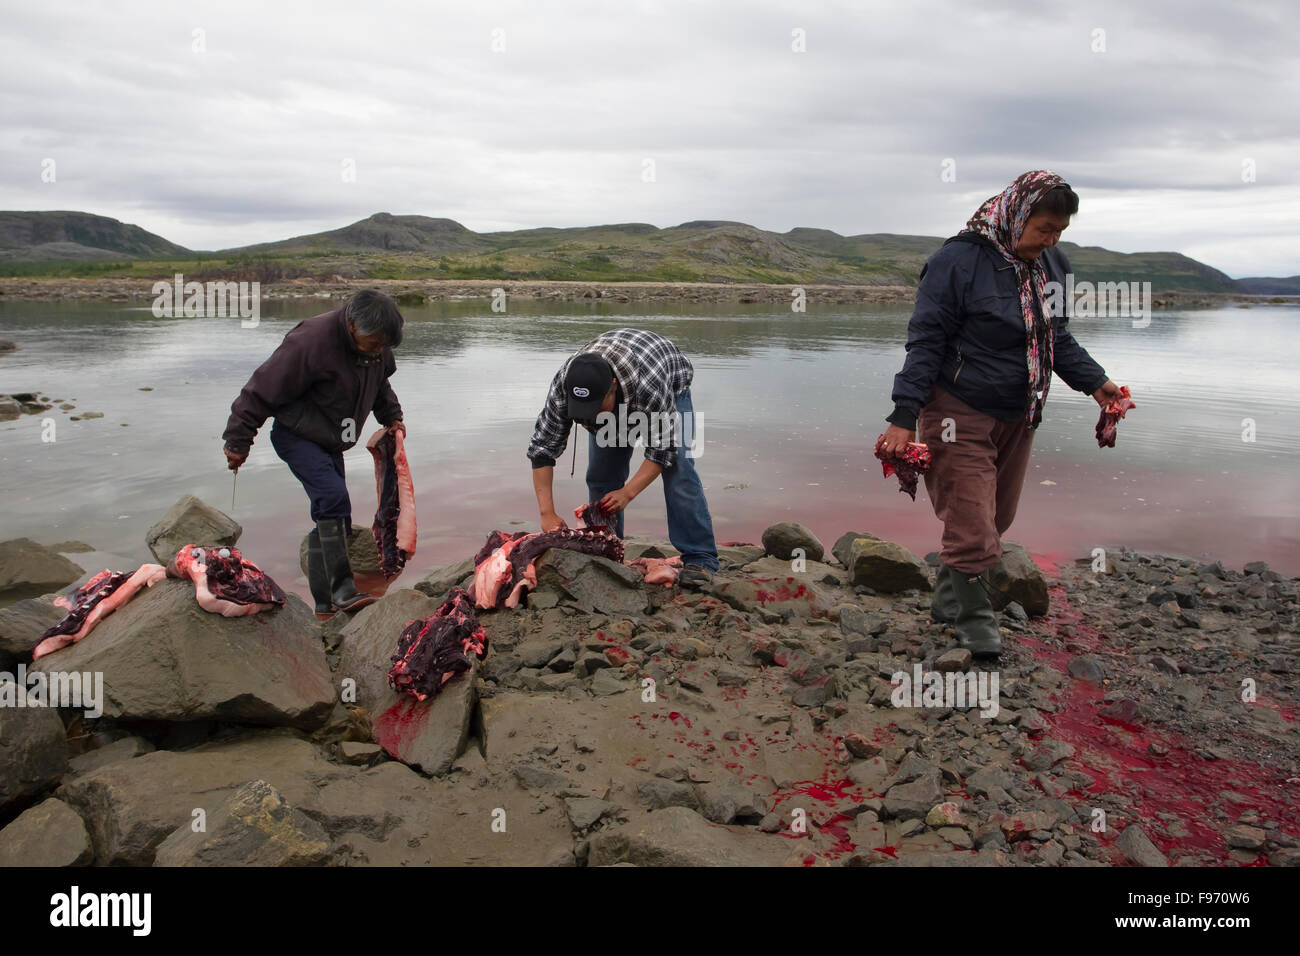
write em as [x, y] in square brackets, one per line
[585, 384]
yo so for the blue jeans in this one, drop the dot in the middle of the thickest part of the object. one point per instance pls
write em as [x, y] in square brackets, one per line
[320, 472]
[690, 528]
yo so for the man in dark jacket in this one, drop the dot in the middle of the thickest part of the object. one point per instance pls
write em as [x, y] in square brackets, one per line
[982, 345]
[326, 377]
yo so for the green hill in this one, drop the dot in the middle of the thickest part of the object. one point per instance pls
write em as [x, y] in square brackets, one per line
[64, 236]
[384, 246]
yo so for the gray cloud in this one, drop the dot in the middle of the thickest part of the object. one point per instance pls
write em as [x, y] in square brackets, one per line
[244, 142]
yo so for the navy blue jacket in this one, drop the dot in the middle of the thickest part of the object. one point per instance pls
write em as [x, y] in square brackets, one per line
[967, 335]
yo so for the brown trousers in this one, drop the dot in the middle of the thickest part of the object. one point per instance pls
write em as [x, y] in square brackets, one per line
[974, 479]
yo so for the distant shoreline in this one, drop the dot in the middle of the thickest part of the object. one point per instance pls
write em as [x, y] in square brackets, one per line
[410, 291]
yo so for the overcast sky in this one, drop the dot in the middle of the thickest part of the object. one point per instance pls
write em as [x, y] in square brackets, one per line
[241, 132]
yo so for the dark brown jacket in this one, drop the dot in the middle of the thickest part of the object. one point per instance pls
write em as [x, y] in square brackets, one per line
[315, 384]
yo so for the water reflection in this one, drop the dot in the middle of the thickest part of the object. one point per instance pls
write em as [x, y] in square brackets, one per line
[791, 404]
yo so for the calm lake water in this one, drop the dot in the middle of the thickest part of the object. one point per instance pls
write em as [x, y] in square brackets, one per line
[791, 406]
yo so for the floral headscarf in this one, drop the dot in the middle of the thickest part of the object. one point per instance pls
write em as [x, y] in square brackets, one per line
[1001, 220]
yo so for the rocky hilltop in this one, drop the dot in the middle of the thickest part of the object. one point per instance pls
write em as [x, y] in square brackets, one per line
[1142, 713]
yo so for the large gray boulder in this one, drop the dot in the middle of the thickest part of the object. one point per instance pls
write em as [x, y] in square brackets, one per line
[122, 749]
[255, 826]
[844, 544]
[884, 566]
[132, 806]
[428, 735]
[21, 627]
[781, 539]
[191, 521]
[677, 836]
[442, 579]
[596, 585]
[369, 641]
[769, 584]
[165, 658]
[33, 746]
[1018, 578]
[48, 834]
[28, 569]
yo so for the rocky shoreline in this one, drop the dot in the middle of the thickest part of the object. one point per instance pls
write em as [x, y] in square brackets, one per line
[420, 291]
[1143, 713]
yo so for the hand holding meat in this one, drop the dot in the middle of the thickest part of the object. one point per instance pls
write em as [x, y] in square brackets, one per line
[616, 501]
[1108, 393]
[1111, 412]
[909, 463]
[894, 440]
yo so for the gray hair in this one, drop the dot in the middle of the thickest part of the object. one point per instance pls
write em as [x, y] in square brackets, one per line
[373, 313]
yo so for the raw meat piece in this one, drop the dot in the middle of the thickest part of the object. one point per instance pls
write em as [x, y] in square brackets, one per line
[658, 570]
[394, 525]
[909, 466]
[92, 602]
[1111, 413]
[433, 651]
[503, 567]
[224, 583]
[594, 517]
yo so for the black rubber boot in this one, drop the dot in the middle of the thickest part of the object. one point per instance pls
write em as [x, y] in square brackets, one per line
[338, 568]
[317, 579]
[976, 624]
[943, 606]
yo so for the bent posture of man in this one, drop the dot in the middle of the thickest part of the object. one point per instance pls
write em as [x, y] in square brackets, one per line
[982, 345]
[651, 378]
[326, 377]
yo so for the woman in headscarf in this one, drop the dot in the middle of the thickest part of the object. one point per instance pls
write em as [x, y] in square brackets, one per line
[982, 345]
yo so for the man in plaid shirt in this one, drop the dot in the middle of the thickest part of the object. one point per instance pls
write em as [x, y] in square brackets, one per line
[648, 380]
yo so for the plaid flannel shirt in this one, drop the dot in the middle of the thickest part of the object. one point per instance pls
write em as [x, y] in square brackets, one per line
[651, 372]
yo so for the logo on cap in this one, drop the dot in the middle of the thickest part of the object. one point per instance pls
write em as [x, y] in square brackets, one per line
[580, 392]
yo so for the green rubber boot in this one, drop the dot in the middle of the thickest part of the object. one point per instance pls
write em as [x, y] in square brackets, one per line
[943, 606]
[976, 624]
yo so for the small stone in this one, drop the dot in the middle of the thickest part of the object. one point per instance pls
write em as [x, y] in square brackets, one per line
[1242, 837]
[1138, 848]
[584, 812]
[657, 793]
[1087, 667]
[957, 659]
[945, 815]
[355, 752]
[1018, 826]
[781, 540]
[860, 747]
[607, 682]
[1047, 754]
[957, 837]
